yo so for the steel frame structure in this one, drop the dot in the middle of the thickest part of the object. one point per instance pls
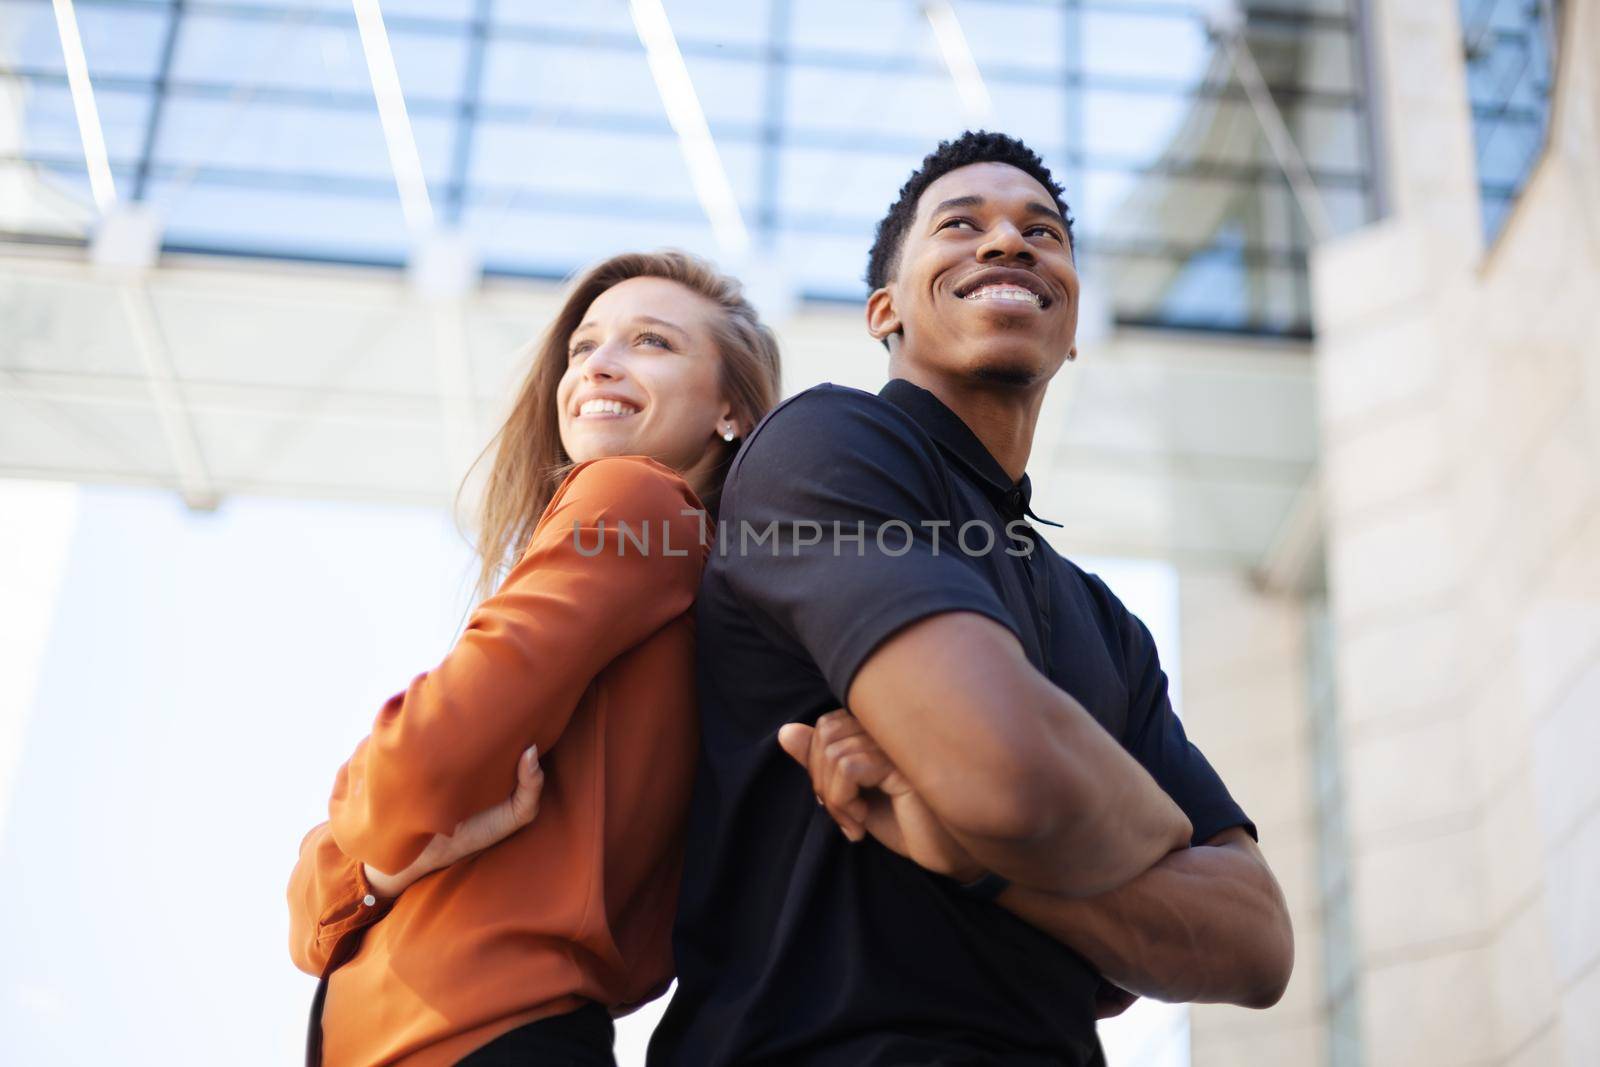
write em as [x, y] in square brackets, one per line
[771, 136]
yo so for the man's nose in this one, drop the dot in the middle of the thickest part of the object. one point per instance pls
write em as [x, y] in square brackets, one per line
[1005, 241]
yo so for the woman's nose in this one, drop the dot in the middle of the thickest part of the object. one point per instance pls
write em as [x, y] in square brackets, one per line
[602, 364]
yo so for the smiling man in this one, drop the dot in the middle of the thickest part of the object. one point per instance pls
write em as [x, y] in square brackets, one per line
[1024, 818]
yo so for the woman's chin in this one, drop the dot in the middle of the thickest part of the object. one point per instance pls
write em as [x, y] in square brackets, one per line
[598, 442]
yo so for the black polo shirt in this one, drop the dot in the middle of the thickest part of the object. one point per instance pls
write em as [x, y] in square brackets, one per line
[793, 945]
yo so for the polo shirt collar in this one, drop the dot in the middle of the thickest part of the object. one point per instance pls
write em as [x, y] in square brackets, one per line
[958, 442]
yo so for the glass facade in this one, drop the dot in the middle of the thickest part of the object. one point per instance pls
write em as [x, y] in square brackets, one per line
[1510, 49]
[252, 128]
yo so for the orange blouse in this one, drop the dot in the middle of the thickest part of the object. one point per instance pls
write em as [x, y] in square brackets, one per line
[586, 650]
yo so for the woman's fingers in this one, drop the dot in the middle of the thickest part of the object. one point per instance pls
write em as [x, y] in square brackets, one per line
[795, 739]
[842, 759]
[530, 785]
[803, 744]
[848, 767]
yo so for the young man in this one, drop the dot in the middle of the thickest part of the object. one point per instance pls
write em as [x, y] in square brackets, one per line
[1010, 746]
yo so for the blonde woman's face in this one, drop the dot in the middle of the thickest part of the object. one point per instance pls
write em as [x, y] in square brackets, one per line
[642, 379]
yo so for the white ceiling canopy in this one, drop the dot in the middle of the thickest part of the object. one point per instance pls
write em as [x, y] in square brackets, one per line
[328, 382]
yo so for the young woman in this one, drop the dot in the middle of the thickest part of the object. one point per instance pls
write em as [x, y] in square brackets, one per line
[448, 924]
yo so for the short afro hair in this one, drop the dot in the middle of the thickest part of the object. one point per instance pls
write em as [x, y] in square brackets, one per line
[971, 147]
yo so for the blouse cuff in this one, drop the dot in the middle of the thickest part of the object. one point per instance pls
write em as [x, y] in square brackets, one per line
[356, 905]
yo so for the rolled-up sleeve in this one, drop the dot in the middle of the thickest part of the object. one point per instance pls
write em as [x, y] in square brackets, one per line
[616, 556]
[836, 527]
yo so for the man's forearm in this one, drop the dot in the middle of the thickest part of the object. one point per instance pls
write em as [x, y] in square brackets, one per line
[1017, 770]
[1103, 822]
[1207, 923]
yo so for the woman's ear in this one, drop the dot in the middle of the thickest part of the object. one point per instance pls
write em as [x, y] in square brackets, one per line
[882, 319]
[728, 423]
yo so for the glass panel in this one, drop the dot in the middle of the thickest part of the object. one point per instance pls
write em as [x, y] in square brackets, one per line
[532, 239]
[609, 18]
[118, 42]
[1004, 34]
[272, 140]
[50, 127]
[854, 27]
[617, 171]
[298, 222]
[1509, 75]
[1143, 45]
[610, 80]
[915, 104]
[300, 52]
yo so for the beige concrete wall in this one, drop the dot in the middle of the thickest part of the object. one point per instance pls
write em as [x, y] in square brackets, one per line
[1245, 704]
[1460, 407]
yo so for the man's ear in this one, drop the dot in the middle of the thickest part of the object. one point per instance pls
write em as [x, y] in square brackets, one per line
[882, 319]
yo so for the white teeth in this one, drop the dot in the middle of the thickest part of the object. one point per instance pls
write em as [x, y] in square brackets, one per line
[606, 407]
[1005, 292]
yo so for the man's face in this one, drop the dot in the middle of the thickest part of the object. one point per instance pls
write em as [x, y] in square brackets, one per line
[985, 287]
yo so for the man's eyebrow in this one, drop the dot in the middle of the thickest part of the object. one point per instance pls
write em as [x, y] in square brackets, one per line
[959, 201]
[1034, 207]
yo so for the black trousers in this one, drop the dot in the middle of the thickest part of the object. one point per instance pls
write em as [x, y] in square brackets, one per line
[582, 1038]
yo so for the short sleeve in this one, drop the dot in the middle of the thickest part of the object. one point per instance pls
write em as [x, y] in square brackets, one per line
[836, 526]
[1157, 740]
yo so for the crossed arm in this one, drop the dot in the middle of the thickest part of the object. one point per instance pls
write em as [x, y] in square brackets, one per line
[1017, 771]
[1206, 923]
[923, 759]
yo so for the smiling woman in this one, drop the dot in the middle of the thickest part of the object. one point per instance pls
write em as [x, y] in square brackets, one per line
[634, 333]
[498, 873]
[643, 339]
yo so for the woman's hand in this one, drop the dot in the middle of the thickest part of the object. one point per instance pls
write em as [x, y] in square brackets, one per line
[865, 793]
[473, 834]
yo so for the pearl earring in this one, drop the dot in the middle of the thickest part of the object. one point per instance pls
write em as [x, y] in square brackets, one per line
[727, 434]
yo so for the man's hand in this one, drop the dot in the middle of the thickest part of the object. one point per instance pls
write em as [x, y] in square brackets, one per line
[867, 795]
[473, 834]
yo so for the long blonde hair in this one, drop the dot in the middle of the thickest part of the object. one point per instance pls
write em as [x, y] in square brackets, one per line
[529, 460]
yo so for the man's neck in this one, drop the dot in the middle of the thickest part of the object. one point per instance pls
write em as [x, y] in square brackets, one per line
[1002, 416]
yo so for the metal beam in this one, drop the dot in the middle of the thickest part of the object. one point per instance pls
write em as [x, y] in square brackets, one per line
[404, 160]
[158, 100]
[182, 442]
[90, 132]
[1066, 78]
[1270, 15]
[1231, 34]
[780, 27]
[291, 181]
[455, 192]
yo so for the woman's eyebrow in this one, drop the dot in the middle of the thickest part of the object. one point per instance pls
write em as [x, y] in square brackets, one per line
[641, 320]
[651, 320]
